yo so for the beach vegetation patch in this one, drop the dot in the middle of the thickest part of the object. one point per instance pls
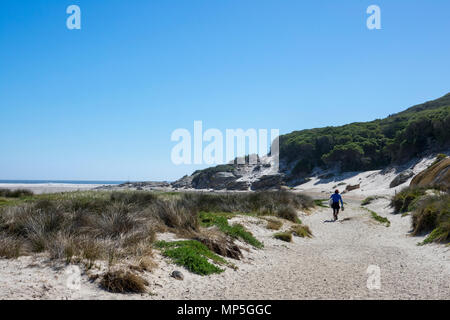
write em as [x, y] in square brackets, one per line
[192, 255]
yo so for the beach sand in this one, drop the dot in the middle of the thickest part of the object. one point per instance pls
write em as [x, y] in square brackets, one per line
[49, 187]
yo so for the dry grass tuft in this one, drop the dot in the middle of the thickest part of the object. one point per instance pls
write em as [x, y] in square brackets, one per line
[274, 224]
[283, 236]
[123, 282]
[301, 231]
[220, 244]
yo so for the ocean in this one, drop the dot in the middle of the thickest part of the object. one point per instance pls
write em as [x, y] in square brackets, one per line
[60, 182]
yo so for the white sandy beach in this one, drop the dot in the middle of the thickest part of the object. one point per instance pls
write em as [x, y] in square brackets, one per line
[40, 188]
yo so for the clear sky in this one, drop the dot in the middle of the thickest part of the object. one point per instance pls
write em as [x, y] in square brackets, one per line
[101, 103]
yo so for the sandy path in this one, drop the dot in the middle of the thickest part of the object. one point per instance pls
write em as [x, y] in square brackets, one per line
[332, 265]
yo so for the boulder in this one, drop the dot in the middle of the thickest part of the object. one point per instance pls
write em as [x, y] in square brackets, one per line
[221, 180]
[272, 181]
[184, 182]
[401, 178]
[354, 187]
[238, 185]
[436, 175]
[177, 275]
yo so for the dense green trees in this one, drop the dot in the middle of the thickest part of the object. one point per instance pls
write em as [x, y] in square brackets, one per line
[370, 145]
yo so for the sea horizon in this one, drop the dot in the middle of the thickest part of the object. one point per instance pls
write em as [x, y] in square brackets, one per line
[30, 181]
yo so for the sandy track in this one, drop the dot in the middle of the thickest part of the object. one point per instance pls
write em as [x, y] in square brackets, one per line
[332, 265]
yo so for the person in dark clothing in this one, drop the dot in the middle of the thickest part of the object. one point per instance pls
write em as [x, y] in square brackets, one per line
[335, 199]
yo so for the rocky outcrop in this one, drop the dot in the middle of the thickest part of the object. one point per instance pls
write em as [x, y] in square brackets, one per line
[216, 181]
[184, 182]
[401, 178]
[266, 182]
[354, 187]
[436, 175]
[238, 185]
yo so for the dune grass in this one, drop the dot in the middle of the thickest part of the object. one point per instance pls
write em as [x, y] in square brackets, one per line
[123, 282]
[283, 236]
[301, 231]
[282, 204]
[406, 200]
[274, 224]
[433, 216]
[120, 227]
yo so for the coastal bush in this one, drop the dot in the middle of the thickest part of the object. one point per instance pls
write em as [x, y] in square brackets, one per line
[433, 215]
[369, 145]
[18, 193]
[406, 199]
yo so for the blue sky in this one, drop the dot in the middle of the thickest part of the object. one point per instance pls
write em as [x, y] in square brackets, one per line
[101, 103]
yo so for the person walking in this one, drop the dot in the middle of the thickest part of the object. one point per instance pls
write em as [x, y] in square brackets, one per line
[335, 198]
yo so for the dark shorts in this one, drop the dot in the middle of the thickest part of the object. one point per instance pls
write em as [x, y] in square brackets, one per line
[335, 205]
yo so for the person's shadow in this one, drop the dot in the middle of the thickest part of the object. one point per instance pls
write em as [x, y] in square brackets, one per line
[328, 221]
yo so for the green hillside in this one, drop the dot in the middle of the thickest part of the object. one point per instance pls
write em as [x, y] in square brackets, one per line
[370, 145]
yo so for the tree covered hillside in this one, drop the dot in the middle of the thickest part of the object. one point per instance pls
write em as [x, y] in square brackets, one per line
[370, 145]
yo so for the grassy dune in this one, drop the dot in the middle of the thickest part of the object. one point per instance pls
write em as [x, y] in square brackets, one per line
[120, 227]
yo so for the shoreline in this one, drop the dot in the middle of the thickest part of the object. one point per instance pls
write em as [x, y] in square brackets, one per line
[42, 188]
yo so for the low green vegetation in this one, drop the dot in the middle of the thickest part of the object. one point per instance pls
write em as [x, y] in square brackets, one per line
[236, 231]
[369, 200]
[433, 216]
[378, 218]
[192, 255]
[283, 236]
[438, 159]
[320, 203]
